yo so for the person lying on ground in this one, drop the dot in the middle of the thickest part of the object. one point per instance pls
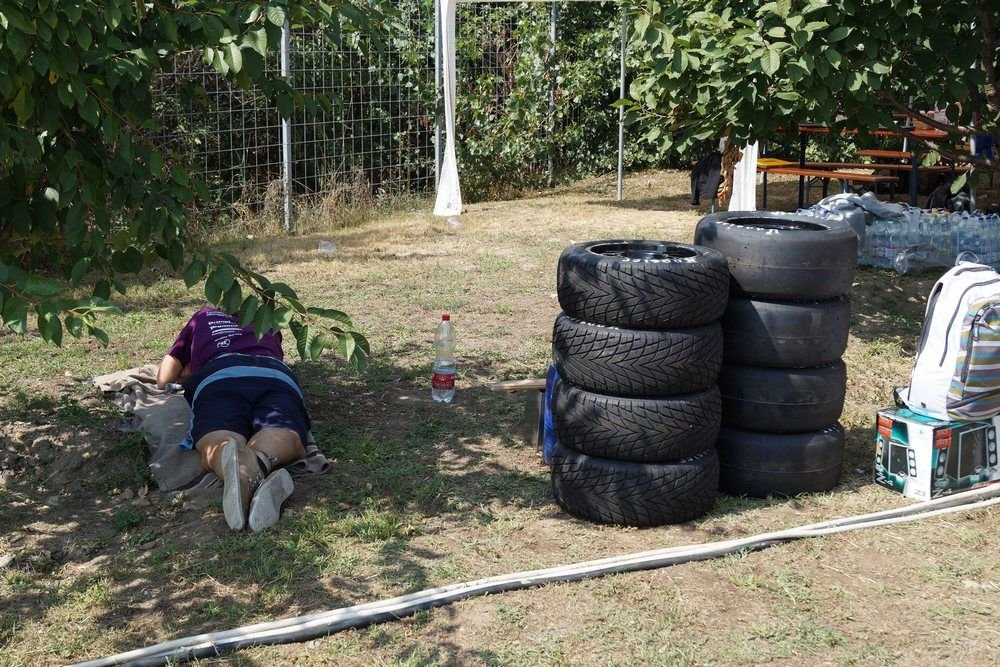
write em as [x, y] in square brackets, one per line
[248, 416]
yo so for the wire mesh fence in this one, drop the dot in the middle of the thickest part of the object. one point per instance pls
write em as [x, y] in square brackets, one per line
[528, 110]
[532, 109]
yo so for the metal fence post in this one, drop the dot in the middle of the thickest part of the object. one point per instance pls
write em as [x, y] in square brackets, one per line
[552, 90]
[437, 93]
[621, 110]
[286, 128]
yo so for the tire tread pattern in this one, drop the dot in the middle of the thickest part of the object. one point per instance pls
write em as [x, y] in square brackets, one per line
[642, 295]
[646, 430]
[634, 362]
[634, 494]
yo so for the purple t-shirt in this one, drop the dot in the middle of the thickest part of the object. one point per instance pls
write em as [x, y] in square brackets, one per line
[211, 332]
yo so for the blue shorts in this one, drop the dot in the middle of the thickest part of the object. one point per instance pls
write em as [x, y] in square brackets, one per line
[245, 394]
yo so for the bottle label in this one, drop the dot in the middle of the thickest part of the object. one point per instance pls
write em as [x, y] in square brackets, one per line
[443, 381]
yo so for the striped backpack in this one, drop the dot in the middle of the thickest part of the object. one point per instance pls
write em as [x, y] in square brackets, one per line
[956, 374]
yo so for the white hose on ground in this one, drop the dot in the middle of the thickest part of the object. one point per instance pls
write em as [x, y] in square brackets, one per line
[302, 628]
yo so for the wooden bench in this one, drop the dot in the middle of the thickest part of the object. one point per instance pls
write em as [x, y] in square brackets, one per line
[883, 167]
[884, 154]
[824, 175]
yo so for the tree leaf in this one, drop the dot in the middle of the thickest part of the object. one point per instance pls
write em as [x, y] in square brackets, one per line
[248, 310]
[49, 325]
[24, 104]
[959, 182]
[222, 277]
[213, 292]
[276, 15]
[257, 40]
[194, 272]
[99, 334]
[331, 314]
[347, 346]
[74, 325]
[316, 347]
[15, 314]
[233, 299]
[770, 62]
[41, 288]
[235, 58]
[837, 34]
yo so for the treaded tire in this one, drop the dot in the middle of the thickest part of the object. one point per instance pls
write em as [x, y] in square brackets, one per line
[634, 494]
[636, 362]
[785, 334]
[767, 464]
[782, 400]
[647, 430]
[642, 284]
[774, 256]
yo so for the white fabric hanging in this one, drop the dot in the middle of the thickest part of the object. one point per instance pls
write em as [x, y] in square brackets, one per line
[449, 192]
[744, 196]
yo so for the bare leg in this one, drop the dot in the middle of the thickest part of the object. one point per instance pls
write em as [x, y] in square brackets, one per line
[279, 446]
[225, 453]
[275, 447]
[210, 448]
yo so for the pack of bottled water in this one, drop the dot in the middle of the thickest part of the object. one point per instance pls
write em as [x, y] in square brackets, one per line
[927, 238]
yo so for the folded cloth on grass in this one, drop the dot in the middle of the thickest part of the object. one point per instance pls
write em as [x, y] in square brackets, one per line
[163, 417]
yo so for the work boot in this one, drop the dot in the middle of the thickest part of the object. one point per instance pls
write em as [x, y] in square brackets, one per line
[265, 508]
[241, 476]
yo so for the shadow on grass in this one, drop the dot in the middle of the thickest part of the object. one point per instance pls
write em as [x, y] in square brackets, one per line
[399, 461]
[886, 306]
[403, 466]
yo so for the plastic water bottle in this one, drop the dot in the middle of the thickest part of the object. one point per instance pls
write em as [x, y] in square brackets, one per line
[443, 380]
[878, 243]
[892, 244]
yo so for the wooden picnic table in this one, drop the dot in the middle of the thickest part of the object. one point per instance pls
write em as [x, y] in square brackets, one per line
[824, 175]
[805, 129]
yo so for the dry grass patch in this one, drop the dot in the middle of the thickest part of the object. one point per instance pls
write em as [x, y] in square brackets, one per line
[422, 495]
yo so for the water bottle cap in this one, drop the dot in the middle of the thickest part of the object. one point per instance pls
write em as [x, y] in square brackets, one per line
[445, 317]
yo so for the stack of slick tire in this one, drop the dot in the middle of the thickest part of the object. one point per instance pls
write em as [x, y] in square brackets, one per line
[636, 409]
[785, 330]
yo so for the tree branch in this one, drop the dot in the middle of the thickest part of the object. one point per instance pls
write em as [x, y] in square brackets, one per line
[931, 122]
[949, 153]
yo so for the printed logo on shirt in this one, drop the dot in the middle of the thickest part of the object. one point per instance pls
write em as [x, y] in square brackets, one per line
[223, 329]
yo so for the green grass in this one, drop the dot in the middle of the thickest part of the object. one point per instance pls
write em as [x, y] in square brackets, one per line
[422, 495]
[127, 518]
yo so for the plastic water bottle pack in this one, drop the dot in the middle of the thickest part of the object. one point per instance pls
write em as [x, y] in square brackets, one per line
[927, 239]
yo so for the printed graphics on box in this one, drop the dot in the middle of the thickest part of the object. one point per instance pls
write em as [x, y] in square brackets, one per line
[924, 457]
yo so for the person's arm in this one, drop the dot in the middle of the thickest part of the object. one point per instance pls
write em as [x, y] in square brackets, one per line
[170, 370]
[176, 364]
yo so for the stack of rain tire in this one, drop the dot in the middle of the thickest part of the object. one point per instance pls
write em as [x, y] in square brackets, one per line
[635, 408]
[785, 329]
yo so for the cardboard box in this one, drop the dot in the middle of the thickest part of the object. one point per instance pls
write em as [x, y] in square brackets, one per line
[923, 457]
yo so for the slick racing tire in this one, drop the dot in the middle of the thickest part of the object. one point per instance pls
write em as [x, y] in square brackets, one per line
[774, 256]
[782, 400]
[769, 464]
[785, 334]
